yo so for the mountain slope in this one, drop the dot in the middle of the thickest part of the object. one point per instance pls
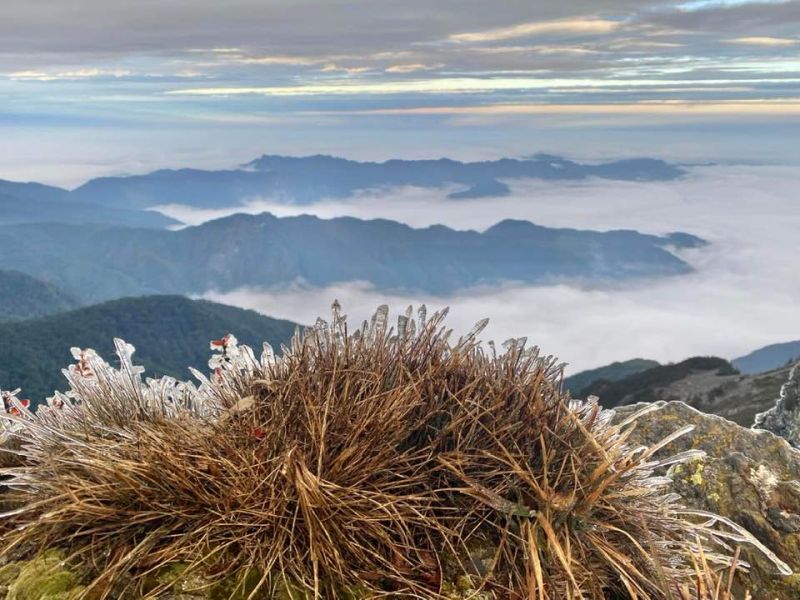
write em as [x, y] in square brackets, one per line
[769, 357]
[33, 191]
[613, 372]
[25, 297]
[311, 178]
[709, 384]
[171, 333]
[263, 250]
[645, 386]
[16, 209]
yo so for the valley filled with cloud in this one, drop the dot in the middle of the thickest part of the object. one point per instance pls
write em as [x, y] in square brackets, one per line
[742, 294]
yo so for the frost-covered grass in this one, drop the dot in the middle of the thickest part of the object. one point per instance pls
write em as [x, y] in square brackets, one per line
[373, 461]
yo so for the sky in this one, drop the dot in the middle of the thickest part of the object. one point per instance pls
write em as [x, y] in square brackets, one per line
[97, 87]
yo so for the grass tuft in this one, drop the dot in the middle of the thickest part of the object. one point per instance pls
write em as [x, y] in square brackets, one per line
[355, 464]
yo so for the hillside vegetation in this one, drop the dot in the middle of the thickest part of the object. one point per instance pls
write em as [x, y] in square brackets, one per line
[709, 384]
[613, 372]
[642, 387]
[172, 333]
[25, 297]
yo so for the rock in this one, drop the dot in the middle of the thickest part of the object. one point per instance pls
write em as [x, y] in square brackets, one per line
[783, 419]
[748, 476]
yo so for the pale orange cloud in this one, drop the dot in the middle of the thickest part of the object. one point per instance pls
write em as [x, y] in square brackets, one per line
[789, 106]
[764, 41]
[587, 25]
[412, 68]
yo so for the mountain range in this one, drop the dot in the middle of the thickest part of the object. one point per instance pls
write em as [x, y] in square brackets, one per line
[125, 200]
[304, 180]
[100, 262]
[171, 333]
[102, 240]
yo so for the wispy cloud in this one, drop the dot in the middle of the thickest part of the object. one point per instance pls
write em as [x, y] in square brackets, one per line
[765, 41]
[335, 68]
[273, 60]
[581, 25]
[78, 74]
[787, 107]
[709, 4]
[468, 85]
[412, 68]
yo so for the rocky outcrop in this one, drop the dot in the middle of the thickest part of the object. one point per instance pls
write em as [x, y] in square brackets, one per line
[749, 476]
[783, 419]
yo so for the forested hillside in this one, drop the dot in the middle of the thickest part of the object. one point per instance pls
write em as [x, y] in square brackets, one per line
[170, 333]
[25, 297]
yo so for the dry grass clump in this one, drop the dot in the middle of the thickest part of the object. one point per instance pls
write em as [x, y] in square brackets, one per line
[374, 462]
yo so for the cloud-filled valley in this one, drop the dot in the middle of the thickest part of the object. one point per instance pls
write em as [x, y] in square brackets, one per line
[742, 295]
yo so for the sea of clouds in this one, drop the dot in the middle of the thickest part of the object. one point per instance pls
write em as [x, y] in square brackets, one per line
[743, 294]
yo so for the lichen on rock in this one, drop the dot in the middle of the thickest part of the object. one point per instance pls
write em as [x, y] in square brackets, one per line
[751, 477]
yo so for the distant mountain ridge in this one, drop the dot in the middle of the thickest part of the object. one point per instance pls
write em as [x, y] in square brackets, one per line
[171, 333]
[124, 200]
[32, 191]
[613, 372]
[264, 251]
[44, 205]
[25, 297]
[308, 179]
[769, 357]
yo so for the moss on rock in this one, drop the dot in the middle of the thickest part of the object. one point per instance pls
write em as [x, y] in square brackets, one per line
[43, 578]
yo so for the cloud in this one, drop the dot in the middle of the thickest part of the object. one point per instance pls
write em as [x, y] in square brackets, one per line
[412, 68]
[84, 73]
[584, 25]
[764, 41]
[304, 56]
[788, 107]
[465, 85]
[583, 76]
[742, 296]
[334, 68]
[706, 4]
[273, 60]
[755, 18]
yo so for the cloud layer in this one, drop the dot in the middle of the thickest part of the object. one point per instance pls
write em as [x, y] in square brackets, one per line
[743, 295]
[197, 80]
